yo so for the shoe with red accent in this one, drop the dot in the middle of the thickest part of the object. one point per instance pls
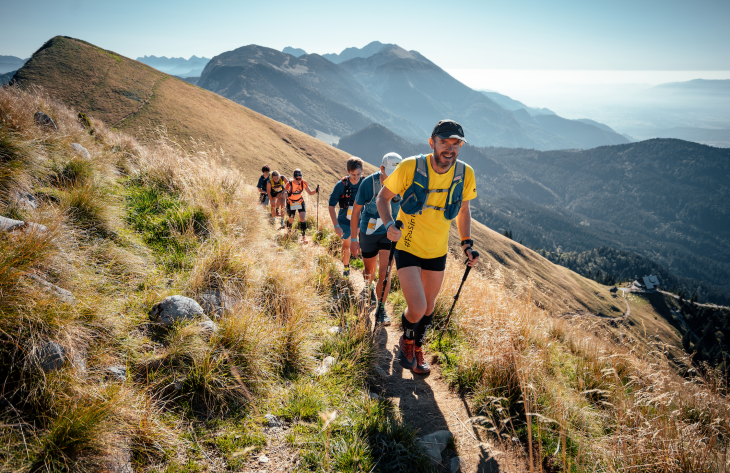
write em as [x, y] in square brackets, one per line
[407, 353]
[420, 365]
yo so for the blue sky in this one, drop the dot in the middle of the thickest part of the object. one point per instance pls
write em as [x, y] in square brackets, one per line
[534, 35]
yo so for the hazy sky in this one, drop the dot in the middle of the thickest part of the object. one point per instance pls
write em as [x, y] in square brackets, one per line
[664, 35]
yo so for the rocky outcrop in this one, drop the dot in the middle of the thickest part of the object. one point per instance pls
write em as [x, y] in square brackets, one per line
[11, 225]
[214, 303]
[44, 121]
[326, 365]
[61, 294]
[23, 200]
[176, 309]
[117, 372]
[80, 150]
[50, 355]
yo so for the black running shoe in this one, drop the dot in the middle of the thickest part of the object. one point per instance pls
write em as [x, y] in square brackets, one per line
[382, 317]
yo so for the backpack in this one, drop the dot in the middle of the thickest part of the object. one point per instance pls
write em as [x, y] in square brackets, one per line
[347, 198]
[294, 196]
[416, 196]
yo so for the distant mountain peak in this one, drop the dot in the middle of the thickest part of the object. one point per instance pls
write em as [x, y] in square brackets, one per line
[351, 53]
[296, 52]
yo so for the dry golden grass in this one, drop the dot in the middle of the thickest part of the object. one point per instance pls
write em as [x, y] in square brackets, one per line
[278, 297]
[594, 404]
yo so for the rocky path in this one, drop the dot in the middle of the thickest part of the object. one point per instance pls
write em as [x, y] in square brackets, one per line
[427, 403]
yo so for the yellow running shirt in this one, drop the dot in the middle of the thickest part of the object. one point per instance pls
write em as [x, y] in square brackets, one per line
[427, 235]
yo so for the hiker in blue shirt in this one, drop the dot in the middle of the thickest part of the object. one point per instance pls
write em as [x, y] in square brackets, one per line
[344, 195]
[262, 185]
[373, 235]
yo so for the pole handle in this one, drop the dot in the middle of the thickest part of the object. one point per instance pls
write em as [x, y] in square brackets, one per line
[398, 224]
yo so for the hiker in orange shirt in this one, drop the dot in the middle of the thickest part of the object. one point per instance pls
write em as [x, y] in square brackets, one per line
[295, 201]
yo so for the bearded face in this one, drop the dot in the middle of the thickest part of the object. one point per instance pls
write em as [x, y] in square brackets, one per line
[445, 152]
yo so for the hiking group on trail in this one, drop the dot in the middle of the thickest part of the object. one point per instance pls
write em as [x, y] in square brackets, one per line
[276, 189]
[425, 193]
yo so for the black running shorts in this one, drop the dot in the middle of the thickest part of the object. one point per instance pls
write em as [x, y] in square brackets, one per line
[274, 194]
[370, 245]
[403, 259]
[291, 213]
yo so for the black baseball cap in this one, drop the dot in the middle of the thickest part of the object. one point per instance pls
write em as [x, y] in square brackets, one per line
[448, 129]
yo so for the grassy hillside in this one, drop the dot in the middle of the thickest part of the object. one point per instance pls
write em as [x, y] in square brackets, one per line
[94, 381]
[131, 96]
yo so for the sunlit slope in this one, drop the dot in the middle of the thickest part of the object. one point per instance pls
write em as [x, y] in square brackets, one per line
[557, 289]
[134, 97]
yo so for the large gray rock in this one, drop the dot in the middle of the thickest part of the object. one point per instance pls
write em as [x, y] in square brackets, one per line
[10, 225]
[44, 121]
[80, 150]
[61, 294]
[50, 355]
[176, 308]
[435, 443]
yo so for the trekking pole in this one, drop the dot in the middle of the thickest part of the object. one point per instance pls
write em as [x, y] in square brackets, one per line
[398, 225]
[475, 254]
[317, 235]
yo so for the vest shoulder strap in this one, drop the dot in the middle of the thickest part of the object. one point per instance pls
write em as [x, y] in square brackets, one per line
[377, 185]
[460, 171]
[422, 165]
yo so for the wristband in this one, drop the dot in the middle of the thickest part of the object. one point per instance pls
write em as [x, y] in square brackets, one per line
[337, 226]
[388, 225]
[467, 241]
[353, 240]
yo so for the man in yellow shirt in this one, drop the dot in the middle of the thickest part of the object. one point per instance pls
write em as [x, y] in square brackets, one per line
[434, 190]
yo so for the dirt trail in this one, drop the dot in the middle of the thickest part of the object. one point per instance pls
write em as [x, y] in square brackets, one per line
[427, 403]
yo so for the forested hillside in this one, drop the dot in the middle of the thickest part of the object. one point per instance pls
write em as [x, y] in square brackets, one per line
[664, 199]
[609, 266]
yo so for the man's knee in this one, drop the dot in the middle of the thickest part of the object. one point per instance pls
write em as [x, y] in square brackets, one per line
[417, 309]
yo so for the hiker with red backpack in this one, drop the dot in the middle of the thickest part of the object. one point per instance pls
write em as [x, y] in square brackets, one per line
[344, 195]
[295, 201]
[434, 189]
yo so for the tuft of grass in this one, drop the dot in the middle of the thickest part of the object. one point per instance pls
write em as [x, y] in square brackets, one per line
[167, 225]
[77, 438]
[90, 207]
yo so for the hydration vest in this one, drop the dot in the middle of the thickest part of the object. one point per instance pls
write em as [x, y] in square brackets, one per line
[347, 198]
[416, 196]
[372, 205]
[295, 195]
[277, 186]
